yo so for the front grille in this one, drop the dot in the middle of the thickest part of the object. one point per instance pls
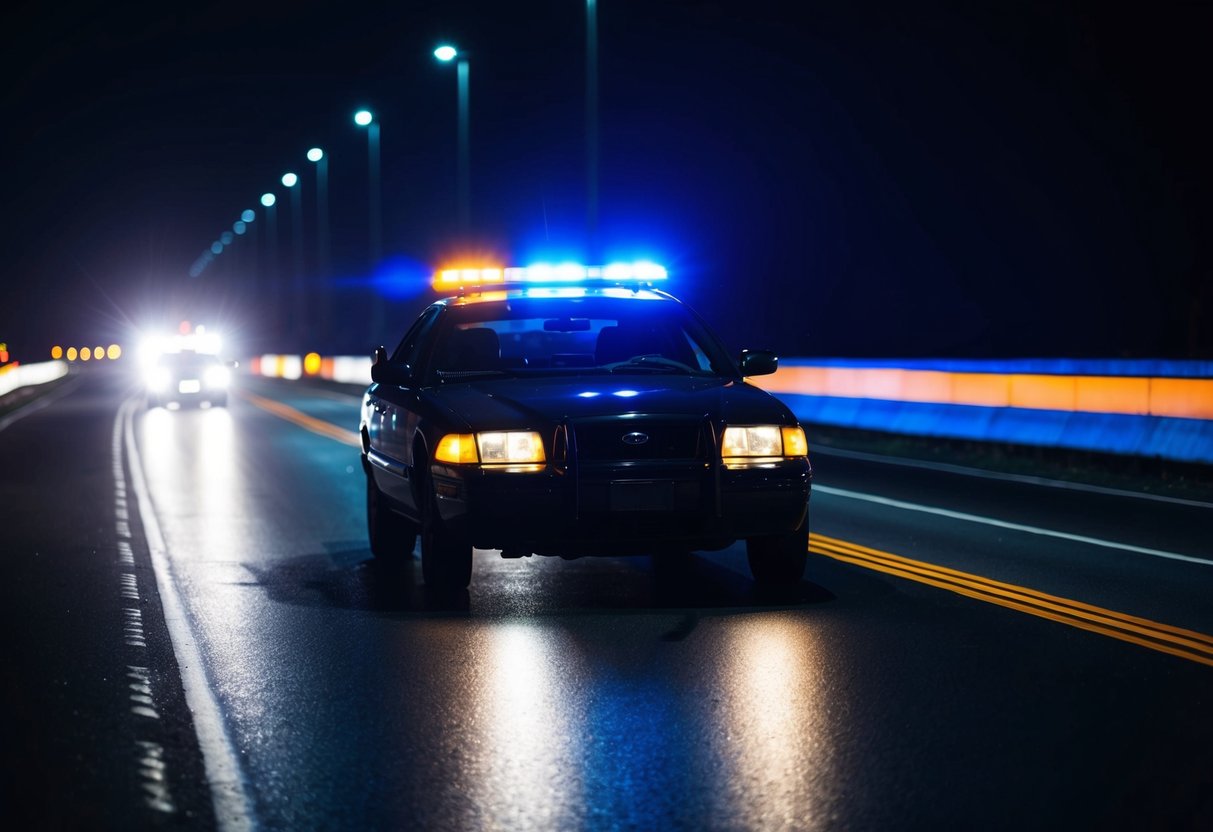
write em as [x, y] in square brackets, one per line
[667, 439]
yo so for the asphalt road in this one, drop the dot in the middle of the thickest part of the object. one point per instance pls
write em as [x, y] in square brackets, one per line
[197, 636]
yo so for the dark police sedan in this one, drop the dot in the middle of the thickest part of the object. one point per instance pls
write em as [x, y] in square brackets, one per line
[577, 411]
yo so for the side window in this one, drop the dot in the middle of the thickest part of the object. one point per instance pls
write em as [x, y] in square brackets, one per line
[410, 346]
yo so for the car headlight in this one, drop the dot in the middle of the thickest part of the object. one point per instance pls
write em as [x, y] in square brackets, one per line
[763, 441]
[158, 379]
[510, 447]
[217, 377]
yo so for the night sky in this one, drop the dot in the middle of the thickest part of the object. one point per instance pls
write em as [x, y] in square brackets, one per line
[892, 179]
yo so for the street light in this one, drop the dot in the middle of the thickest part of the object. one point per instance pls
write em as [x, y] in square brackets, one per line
[317, 156]
[364, 118]
[447, 53]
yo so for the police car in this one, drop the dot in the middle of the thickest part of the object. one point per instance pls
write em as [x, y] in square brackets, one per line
[572, 411]
[187, 377]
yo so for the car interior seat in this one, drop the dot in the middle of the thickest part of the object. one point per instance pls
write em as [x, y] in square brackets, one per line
[477, 348]
[619, 343]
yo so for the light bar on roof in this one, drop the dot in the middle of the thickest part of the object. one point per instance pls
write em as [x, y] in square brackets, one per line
[454, 278]
[549, 274]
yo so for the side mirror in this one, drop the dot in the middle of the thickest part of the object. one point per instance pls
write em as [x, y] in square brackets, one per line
[384, 372]
[758, 362]
[378, 363]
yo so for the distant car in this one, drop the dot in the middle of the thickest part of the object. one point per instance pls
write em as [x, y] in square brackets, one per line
[188, 378]
[600, 417]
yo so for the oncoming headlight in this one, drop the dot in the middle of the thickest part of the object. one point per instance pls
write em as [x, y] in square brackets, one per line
[217, 376]
[763, 442]
[514, 447]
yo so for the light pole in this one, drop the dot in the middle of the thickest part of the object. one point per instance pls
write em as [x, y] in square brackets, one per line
[247, 216]
[364, 118]
[271, 229]
[321, 271]
[447, 53]
[591, 127]
[290, 181]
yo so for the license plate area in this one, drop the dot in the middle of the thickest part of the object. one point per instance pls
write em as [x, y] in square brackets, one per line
[189, 385]
[641, 495]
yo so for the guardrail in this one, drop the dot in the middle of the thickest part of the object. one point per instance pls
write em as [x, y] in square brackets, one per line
[1133, 407]
[14, 375]
[1141, 408]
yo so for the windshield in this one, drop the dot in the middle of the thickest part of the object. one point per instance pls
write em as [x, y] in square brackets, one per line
[187, 360]
[583, 335]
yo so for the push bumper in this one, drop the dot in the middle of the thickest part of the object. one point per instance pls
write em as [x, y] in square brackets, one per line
[611, 509]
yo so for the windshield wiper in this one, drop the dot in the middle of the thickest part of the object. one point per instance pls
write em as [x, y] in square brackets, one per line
[652, 363]
[464, 375]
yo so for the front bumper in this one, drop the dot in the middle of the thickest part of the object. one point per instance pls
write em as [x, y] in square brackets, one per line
[614, 509]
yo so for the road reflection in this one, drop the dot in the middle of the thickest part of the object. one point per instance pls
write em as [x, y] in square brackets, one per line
[773, 711]
[194, 468]
[571, 731]
[530, 697]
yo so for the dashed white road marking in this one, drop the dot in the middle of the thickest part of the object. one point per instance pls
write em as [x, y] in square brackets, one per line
[151, 768]
[229, 794]
[132, 630]
[149, 754]
[141, 692]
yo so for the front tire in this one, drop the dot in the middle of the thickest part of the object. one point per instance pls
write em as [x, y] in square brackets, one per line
[446, 553]
[392, 537]
[779, 560]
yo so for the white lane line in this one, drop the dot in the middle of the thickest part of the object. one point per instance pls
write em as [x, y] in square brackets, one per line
[233, 808]
[140, 692]
[40, 402]
[999, 475]
[1003, 524]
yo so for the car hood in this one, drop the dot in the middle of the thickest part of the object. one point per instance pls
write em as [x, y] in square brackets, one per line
[530, 402]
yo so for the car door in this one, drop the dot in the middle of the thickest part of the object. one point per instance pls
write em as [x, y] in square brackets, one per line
[395, 415]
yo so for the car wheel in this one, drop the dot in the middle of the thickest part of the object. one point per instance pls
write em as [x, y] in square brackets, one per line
[446, 554]
[779, 559]
[392, 536]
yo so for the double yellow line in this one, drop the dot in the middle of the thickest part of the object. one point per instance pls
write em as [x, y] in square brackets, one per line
[1186, 644]
[301, 419]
